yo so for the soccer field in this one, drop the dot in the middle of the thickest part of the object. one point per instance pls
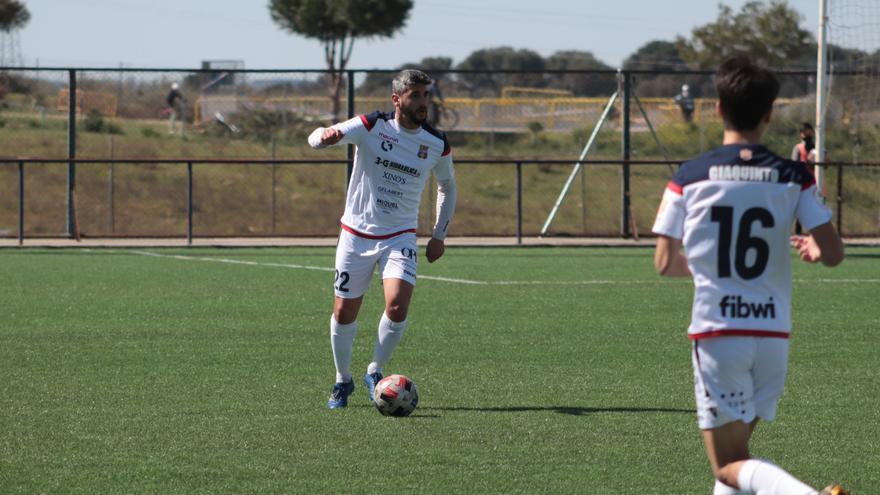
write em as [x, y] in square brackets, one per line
[540, 370]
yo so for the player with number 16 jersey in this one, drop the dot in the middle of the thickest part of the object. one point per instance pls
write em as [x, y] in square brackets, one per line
[732, 211]
[733, 207]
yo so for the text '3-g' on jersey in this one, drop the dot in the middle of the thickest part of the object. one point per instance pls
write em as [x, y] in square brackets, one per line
[733, 208]
[391, 167]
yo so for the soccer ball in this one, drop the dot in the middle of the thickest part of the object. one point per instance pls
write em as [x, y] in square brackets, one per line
[396, 395]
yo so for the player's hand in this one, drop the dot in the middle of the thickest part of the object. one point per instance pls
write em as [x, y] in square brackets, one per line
[807, 248]
[331, 136]
[435, 250]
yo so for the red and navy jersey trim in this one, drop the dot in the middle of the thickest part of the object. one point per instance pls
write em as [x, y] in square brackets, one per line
[374, 237]
[697, 170]
[439, 135]
[370, 120]
[733, 332]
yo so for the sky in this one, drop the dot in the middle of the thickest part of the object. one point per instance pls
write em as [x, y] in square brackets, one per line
[183, 33]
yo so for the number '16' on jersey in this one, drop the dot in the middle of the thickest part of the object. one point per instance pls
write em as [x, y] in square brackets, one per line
[733, 209]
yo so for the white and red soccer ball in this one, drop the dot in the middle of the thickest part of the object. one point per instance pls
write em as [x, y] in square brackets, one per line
[396, 395]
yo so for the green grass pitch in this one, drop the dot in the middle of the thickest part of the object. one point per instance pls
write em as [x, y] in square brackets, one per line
[541, 370]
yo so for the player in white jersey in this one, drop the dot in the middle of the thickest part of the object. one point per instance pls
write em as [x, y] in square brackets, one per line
[732, 211]
[396, 153]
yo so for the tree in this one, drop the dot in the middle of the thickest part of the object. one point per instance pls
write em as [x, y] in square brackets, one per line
[379, 83]
[13, 15]
[662, 56]
[580, 84]
[770, 33]
[491, 60]
[337, 24]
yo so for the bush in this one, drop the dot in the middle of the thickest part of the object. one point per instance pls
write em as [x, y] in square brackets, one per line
[94, 122]
[149, 132]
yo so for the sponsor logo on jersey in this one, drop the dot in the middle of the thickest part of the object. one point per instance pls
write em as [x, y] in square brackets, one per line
[391, 192]
[735, 307]
[743, 173]
[393, 178]
[398, 166]
[745, 154]
[384, 203]
[387, 137]
[423, 151]
[386, 146]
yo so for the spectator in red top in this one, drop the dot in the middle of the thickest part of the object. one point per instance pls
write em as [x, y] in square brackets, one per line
[805, 151]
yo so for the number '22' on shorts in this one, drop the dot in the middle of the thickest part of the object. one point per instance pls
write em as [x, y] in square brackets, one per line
[357, 258]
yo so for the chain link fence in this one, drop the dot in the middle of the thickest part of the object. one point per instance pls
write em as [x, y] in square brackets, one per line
[129, 117]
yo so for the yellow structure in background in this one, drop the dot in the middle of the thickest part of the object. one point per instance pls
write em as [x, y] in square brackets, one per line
[557, 113]
[86, 101]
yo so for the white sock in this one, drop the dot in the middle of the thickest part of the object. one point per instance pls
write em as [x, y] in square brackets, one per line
[342, 342]
[722, 489]
[765, 478]
[390, 333]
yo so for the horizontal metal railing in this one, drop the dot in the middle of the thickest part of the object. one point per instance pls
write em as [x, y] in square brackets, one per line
[518, 163]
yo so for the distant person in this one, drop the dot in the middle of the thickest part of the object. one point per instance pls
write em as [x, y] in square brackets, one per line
[396, 153]
[725, 220]
[685, 102]
[176, 104]
[435, 107]
[805, 151]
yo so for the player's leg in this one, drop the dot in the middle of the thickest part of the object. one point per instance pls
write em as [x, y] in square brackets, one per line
[727, 388]
[398, 267]
[355, 261]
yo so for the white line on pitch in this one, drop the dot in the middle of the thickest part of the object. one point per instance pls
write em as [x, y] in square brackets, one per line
[475, 282]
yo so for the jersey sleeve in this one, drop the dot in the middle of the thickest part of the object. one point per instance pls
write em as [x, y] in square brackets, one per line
[671, 214]
[443, 170]
[353, 131]
[811, 212]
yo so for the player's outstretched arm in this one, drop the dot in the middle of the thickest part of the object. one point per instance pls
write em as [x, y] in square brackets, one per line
[325, 136]
[669, 261]
[822, 244]
[446, 198]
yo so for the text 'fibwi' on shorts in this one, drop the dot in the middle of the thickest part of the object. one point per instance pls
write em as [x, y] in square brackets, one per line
[733, 208]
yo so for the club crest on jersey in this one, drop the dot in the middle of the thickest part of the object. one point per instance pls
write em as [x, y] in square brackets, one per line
[423, 151]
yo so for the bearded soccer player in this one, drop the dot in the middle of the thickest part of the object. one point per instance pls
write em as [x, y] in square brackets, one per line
[732, 210]
[396, 153]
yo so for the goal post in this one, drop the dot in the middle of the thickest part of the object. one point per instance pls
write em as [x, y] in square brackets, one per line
[821, 93]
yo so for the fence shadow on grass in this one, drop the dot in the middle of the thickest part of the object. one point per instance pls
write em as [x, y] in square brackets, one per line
[570, 410]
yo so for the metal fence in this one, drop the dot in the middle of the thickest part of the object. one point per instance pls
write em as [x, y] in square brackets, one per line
[102, 143]
[198, 199]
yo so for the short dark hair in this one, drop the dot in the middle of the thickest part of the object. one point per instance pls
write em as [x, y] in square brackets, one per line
[746, 92]
[806, 126]
[406, 79]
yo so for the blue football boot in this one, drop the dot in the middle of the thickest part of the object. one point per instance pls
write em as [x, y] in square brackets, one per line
[371, 380]
[339, 396]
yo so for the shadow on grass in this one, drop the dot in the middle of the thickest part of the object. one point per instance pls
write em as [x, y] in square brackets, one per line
[570, 410]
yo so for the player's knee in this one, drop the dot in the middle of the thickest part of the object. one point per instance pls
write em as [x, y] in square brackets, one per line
[396, 311]
[344, 314]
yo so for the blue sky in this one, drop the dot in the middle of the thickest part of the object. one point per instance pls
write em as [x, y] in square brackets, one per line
[182, 33]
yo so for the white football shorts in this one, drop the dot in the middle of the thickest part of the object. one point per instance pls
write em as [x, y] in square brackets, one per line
[738, 378]
[357, 257]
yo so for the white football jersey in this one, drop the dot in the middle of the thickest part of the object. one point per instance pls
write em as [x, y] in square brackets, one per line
[733, 208]
[391, 167]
